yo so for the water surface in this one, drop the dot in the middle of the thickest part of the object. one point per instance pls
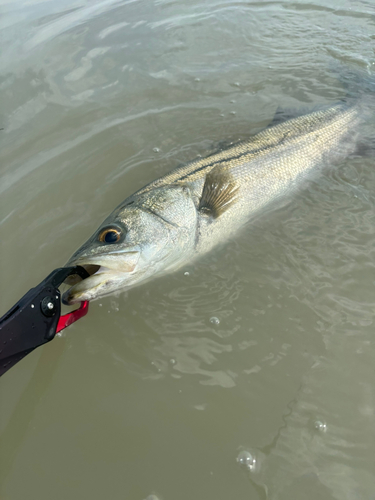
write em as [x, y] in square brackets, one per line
[248, 374]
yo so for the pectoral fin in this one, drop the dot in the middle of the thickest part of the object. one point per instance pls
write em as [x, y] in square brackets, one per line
[219, 193]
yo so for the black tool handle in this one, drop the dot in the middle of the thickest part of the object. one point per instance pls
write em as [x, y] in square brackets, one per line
[33, 320]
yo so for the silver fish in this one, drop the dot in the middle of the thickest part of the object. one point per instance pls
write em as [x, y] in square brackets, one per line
[187, 212]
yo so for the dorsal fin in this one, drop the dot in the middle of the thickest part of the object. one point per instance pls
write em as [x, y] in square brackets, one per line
[219, 192]
[365, 148]
[284, 114]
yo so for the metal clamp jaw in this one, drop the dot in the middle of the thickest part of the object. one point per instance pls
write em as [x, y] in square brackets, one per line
[35, 319]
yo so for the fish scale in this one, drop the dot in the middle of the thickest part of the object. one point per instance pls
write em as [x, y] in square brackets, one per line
[330, 124]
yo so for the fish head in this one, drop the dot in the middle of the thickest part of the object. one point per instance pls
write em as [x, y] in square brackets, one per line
[147, 235]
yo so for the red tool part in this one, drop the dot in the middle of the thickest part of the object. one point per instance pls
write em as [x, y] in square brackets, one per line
[73, 316]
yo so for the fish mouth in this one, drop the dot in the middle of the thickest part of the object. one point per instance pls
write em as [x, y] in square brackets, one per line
[105, 276]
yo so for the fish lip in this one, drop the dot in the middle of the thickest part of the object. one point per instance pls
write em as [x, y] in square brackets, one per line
[101, 260]
[103, 266]
[71, 296]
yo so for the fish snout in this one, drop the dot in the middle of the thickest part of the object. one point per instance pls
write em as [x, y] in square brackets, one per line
[106, 275]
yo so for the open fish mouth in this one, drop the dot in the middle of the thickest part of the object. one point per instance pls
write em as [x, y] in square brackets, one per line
[74, 278]
[102, 279]
[88, 288]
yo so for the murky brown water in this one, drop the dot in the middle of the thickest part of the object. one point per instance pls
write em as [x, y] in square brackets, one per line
[247, 375]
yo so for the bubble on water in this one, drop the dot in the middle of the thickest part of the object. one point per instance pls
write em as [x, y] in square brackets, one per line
[246, 460]
[222, 114]
[232, 112]
[152, 497]
[201, 407]
[237, 84]
[197, 79]
[214, 320]
[156, 150]
[320, 426]
[186, 273]
[100, 305]
[172, 361]
[232, 101]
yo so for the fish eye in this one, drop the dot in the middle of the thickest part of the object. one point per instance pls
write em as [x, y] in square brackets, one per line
[109, 235]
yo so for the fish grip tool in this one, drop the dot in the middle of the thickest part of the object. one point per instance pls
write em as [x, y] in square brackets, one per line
[36, 318]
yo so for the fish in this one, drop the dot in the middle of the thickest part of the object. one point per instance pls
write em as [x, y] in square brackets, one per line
[190, 210]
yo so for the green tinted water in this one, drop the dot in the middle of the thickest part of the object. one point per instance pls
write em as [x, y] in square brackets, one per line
[247, 375]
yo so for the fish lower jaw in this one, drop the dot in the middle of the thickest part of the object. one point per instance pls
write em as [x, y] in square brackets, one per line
[90, 288]
[70, 300]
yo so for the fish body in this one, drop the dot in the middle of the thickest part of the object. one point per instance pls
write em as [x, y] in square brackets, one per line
[188, 211]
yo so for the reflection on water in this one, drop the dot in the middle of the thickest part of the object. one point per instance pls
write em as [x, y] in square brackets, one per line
[247, 374]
